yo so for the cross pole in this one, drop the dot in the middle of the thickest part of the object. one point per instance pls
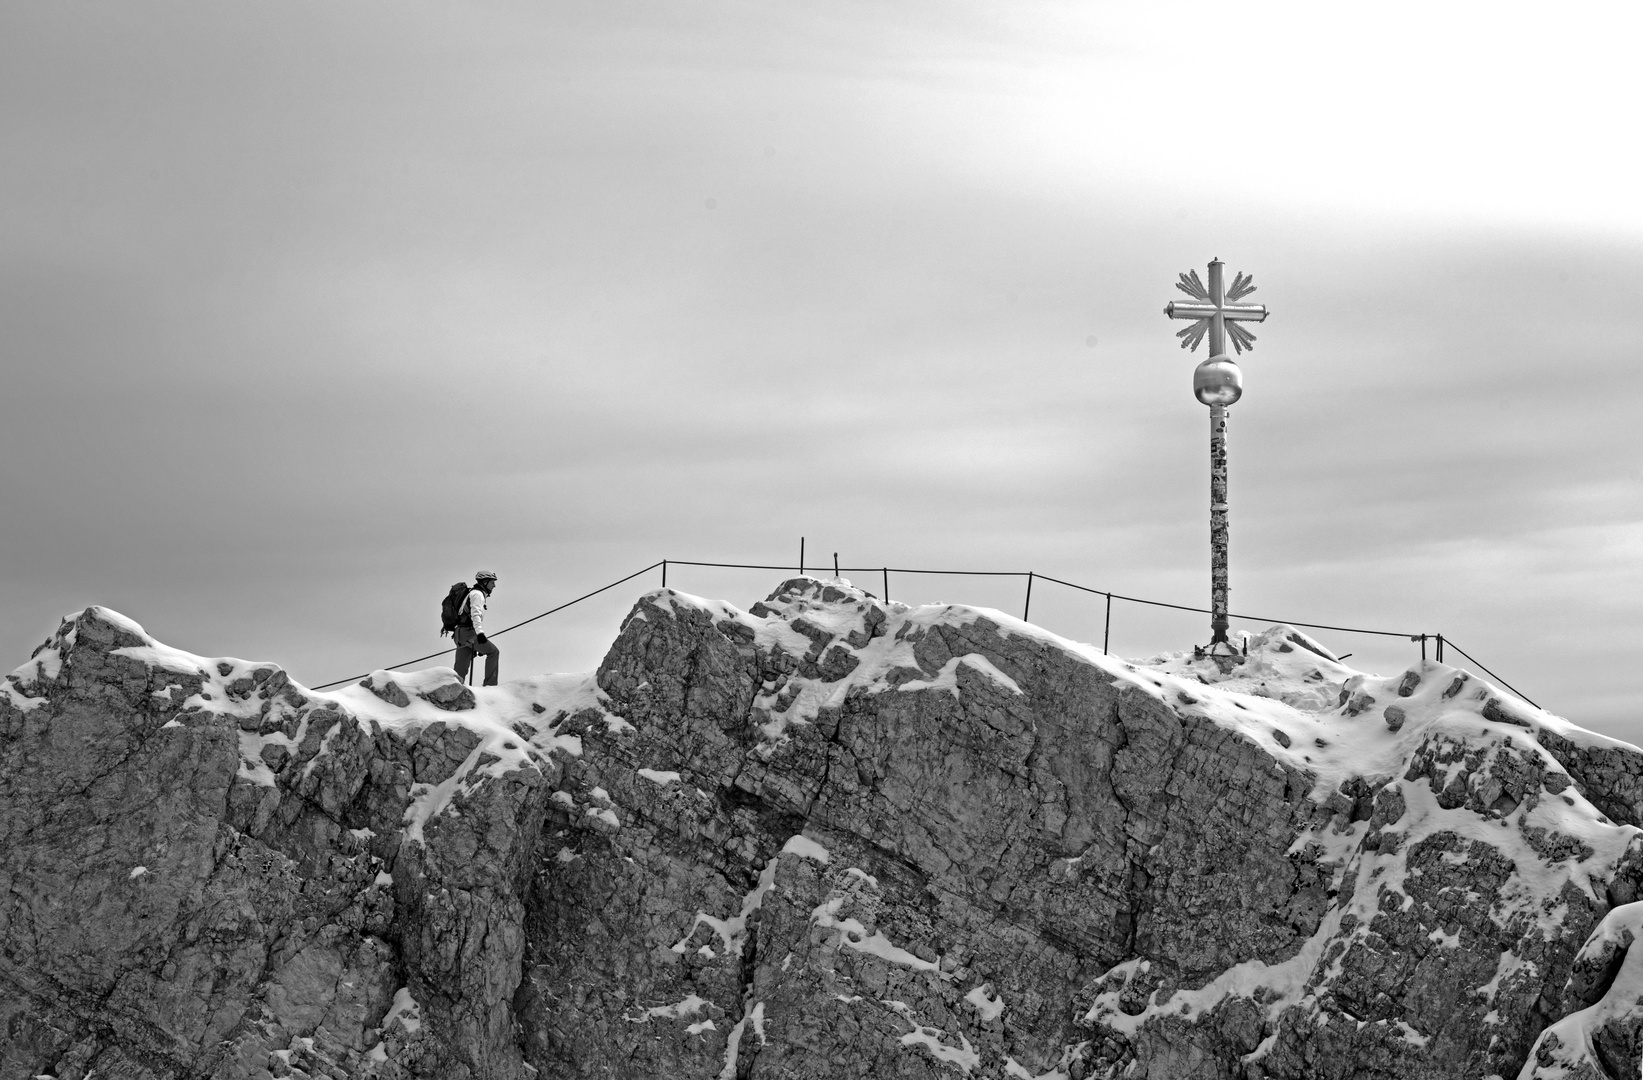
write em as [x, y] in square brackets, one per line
[1217, 383]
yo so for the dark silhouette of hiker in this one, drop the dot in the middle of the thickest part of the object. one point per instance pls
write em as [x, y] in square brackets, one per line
[470, 630]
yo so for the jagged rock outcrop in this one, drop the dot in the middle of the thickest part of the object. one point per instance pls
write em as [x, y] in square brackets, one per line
[208, 871]
[825, 837]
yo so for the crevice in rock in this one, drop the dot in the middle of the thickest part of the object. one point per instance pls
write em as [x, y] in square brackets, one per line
[748, 1047]
[771, 818]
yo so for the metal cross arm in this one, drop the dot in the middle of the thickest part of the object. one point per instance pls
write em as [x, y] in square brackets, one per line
[1217, 313]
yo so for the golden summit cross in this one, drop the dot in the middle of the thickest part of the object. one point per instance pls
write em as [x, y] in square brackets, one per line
[1217, 383]
[1218, 312]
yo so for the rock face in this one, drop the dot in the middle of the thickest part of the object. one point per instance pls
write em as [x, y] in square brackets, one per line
[826, 837]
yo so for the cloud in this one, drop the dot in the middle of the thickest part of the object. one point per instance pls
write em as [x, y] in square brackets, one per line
[310, 312]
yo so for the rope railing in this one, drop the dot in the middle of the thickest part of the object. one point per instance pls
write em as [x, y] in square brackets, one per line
[1485, 670]
[505, 629]
[885, 572]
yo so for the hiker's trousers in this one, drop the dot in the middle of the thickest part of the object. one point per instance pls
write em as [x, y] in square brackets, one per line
[467, 645]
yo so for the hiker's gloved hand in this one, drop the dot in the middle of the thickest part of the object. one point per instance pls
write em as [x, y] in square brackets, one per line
[481, 639]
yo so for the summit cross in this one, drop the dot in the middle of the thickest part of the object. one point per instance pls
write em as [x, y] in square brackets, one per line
[1218, 312]
[1218, 384]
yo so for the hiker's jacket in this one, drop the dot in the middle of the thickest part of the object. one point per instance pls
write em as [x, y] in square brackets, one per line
[475, 606]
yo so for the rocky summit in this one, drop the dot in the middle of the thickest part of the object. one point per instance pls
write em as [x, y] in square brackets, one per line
[828, 836]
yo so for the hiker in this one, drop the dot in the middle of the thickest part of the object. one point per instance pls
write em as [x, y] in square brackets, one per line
[470, 630]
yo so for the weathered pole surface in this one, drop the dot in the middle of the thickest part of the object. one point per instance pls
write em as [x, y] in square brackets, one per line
[1218, 530]
[1218, 383]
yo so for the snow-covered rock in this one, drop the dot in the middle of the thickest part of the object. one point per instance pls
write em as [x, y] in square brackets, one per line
[827, 836]
[302, 855]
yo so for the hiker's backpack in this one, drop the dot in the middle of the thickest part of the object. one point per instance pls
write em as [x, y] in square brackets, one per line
[452, 611]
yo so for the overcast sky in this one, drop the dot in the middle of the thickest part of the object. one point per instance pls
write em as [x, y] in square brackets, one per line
[309, 310]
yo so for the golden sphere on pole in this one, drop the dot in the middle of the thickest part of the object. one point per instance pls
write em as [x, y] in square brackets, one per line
[1217, 381]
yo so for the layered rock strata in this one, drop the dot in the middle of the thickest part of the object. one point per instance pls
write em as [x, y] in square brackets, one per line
[825, 837]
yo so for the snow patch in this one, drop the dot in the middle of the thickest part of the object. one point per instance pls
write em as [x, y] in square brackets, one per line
[1286, 980]
[252, 767]
[733, 1046]
[963, 1057]
[806, 848]
[853, 935]
[687, 1006]
[733, 931]
[947, 677]
[405, 1011]
[1014, 1068]
[989, 1007]
[1411, 1036]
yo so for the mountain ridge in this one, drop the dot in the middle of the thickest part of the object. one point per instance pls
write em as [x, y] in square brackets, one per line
[825, 836]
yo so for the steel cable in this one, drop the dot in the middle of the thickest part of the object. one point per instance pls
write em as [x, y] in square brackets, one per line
[887, 570]
[502, 631]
